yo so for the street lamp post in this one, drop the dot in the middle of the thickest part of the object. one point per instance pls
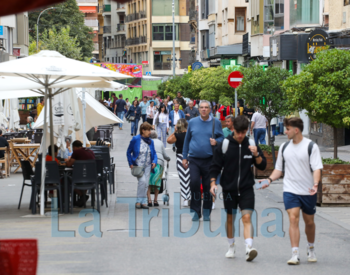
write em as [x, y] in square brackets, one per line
[37, 28]
[174, 38]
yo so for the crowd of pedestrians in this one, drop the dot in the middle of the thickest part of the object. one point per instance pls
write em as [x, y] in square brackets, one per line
[213, 147]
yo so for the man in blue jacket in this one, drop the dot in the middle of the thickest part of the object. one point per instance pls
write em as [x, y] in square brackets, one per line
[174, 116]
[203, 133]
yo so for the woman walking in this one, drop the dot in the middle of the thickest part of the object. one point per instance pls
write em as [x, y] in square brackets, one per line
[151, 112]
[161, 120]
[134, 115]
[156, 177]
[178, 138]
[141, 153]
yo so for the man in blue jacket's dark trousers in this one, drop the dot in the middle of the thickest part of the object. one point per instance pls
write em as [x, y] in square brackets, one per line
[197, 154]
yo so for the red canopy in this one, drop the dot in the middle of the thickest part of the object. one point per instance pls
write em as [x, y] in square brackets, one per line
[16, 6]
[88, 9]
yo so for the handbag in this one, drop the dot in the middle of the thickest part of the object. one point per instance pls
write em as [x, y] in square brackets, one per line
[131, 118]
[138, 171]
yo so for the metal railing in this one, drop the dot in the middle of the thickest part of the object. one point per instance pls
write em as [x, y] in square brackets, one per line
[106, 8]
[120, 27]
[91, 22]
[162, 66]
[107, 29]
[135, 16]
[136, 40]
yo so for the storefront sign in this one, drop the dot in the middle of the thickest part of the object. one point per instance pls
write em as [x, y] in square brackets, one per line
[133, 70]
[156, 53]
[17, 51]
[316, 42]
[165, 52]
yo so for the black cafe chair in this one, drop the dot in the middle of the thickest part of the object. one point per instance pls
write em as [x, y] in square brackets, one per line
[27, 173]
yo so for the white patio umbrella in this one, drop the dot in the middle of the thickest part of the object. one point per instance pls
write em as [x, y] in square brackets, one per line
[14, 115]
[49, 68]
[3, 118]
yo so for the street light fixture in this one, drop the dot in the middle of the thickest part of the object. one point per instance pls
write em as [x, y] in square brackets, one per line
[37, 28]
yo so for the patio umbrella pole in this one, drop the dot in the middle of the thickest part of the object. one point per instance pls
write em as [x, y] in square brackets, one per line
[84, 126]
[52, 148]
[43, 157]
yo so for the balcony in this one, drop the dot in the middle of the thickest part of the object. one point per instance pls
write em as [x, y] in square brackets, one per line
[120, 27]
[135, 16]
[162, 66]
[107, 29]
[93, 23]
[120, 8]
[106, 8]
[136, 40]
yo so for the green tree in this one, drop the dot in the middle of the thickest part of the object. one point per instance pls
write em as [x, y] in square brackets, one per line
[263, 89]
[64, 15]
[323, 90]
[59, 41]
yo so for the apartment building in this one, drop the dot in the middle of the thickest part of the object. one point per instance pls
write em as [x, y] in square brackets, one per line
[222, 26]
[89, 8]
[114, 32]
[14, 36]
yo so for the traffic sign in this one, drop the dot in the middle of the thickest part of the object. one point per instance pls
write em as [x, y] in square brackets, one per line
[196, 66]
[235, 79]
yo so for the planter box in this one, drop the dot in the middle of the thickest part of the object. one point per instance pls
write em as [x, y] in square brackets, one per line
[23, 117]
[269, 166]
[334, 188]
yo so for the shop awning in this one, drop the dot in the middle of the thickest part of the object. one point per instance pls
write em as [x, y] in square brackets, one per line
[88, 9]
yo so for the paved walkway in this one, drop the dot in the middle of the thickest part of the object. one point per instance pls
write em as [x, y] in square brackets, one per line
[163, 252]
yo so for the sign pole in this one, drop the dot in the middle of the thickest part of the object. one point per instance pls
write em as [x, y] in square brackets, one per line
[236, 109]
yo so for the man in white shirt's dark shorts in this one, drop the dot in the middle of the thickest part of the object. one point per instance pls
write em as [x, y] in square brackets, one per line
[301, 161]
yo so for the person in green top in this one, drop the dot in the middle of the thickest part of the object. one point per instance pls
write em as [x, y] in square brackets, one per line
[229, 126]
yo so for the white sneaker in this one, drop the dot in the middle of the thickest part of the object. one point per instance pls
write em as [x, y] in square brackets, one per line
[213, 207]
[295, 259]
[311, 255]
[185, 203]
[231, 251]
[250, 253]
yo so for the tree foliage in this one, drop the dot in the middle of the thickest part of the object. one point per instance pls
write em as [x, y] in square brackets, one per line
[64, 15]
[323, 89]
[59, 41]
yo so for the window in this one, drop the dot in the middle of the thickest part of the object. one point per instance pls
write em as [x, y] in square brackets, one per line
[165, 32]
[304, 12]
[274, 15]
[268, 15]
[204, 9]
[160, 59]
[212, 36]
[279, 14]
[346, 2]
[240, 18]
[164, 7]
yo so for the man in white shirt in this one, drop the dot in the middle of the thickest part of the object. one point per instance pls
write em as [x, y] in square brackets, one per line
[174, 116]
[300, 159]
[259, 123]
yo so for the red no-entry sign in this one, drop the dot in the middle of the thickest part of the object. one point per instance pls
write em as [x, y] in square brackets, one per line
[235, 79]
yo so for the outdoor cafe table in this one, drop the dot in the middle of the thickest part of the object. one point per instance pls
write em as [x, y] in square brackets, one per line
[25, 152]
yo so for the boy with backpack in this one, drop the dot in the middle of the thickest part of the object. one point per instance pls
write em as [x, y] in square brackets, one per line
[236, 156]
[299, 159]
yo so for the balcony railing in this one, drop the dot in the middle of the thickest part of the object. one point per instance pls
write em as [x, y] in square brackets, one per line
[136, 40]
[135, 16]
[107, 29]
[106, 8]
[120, 27]
[162, 66]
[91, 22]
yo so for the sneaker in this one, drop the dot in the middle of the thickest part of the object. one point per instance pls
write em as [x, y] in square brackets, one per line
[231, 251]
[250, 253]
[185, 203]
[311, 255]
[295, 259]
[213, 207]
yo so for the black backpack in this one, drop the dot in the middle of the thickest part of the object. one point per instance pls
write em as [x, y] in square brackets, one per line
[309, 149]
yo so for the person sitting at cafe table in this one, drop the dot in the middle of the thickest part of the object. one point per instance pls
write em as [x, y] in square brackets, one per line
[30, 123]
[68, 152]
[80, 153]
[49, 156]
[3, 143]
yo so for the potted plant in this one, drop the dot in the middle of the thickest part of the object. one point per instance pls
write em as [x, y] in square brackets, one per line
[269, 167]
[334, 188]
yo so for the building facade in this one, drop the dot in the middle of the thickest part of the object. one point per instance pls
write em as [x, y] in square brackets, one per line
[90, 10]
[114, 32]
[14, 36]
